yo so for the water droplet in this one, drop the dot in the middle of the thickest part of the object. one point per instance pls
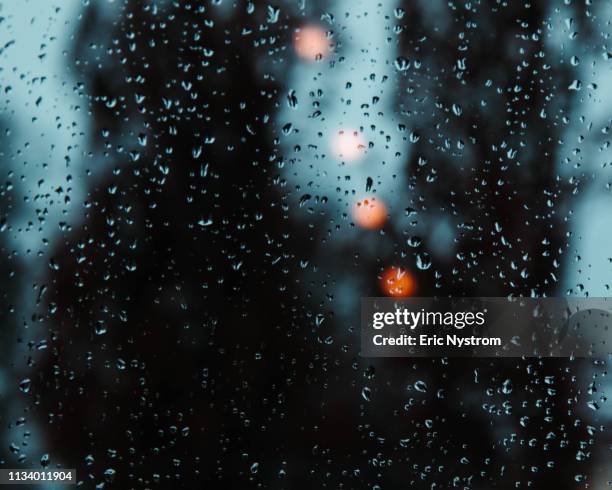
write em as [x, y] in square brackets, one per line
[402, 64]
[420, 386]
[366, 393]
[423, 261]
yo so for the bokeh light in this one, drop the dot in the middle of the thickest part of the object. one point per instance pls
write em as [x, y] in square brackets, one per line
[311, 43]
[398, 282]
[370, 213]
[348, 145]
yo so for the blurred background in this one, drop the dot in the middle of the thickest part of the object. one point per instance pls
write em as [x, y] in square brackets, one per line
[196, 195]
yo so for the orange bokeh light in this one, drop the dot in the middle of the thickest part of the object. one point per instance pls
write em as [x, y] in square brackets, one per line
[370, 213]
[348, 145]
[398, 282]
[311, 43]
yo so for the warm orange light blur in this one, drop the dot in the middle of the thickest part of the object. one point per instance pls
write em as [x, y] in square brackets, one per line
[398, 282]
[370, 213]
[311, 43]
[348, 145]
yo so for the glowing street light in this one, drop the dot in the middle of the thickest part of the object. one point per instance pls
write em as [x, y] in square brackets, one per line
[398, 283]
[370, 213]
[348, 145]
[311, 43]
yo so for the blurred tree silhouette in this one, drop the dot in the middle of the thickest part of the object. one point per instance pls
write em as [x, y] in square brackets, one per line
[488, 106]
[184, 347]
[174, 301]
[11, 270]
[487, 98]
